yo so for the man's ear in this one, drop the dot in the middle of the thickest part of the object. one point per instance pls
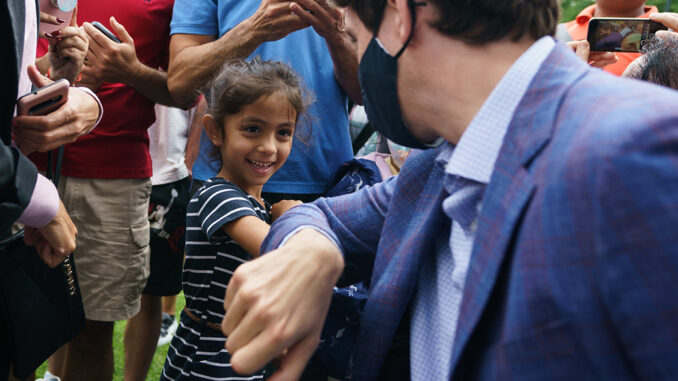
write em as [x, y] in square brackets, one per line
[403, 18]
[213, 130]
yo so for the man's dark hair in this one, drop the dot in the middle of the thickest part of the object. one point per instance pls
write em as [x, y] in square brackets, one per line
[477, 22]
[659, 64]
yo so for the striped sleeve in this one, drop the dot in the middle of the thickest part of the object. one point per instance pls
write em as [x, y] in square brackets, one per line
[220, 204]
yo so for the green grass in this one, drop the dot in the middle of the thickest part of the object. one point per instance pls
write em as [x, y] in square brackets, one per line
[119, 351]
[572, 7]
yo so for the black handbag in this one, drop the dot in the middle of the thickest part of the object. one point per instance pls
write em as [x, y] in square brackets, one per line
[41, 306]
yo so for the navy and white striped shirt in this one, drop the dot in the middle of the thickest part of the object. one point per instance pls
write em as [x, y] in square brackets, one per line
[197, 351]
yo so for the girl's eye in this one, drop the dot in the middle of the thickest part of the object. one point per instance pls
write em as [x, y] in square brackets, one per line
[252, 129]
[286, 132]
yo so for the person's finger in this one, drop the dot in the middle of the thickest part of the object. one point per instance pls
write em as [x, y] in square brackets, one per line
[74, 17]
[97, 40]
[121, 32]
[28, 235]
[293, 362]
[663, 34]
[234, 315]
[253, 356]
[50, 19]
[668, 19]
[242, 325]
[583, 50]
[303, 14]
[69, 32]
[602, 63]
[233, 305]
[320, 8]
[45, 251]
[574, 44]
[30, 141]
[37, 79]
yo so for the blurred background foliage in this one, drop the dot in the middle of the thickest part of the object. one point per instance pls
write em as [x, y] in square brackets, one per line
[572, 7]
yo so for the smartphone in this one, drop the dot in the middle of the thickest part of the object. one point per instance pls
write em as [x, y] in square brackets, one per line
[608, 34]
[44, 100]
[105, 31]
[62, 9]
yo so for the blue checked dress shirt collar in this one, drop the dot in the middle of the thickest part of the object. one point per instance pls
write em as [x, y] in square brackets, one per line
[468, 169]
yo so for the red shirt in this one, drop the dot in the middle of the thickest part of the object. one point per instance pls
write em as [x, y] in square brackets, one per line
[118, 146]
[579, 28]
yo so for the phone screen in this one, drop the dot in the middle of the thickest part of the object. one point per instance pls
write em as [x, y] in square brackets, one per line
[621, 34]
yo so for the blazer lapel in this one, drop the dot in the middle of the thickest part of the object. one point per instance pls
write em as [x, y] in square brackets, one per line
[511, 186]
[409, 232]
[12, 18]
[17, 12]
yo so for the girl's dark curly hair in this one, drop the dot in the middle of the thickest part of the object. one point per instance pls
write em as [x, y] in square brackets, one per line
[241, 82]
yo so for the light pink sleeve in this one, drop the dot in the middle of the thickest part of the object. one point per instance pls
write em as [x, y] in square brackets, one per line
[101, 107]
[43, 206]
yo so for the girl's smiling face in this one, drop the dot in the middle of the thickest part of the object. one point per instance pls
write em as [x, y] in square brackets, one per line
[255, 142]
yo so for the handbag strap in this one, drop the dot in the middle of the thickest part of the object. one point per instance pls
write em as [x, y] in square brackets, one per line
[54, 172]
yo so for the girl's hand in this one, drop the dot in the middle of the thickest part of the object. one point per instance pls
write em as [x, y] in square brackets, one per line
[67, 51]
[279, 208]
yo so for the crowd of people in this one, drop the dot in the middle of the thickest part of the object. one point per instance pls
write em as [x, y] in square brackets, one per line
[512, 218]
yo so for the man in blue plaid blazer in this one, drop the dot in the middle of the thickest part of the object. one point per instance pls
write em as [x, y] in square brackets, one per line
[537, 242]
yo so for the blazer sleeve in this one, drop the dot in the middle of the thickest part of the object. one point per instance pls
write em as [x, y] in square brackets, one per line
[353, 221]
[17, 181]
[636, 240]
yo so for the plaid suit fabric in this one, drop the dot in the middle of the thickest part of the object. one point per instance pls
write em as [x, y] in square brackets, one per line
[575, 260]
[573, 267]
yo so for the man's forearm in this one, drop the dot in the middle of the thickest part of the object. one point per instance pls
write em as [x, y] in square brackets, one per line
[152, 83]
[345, 59]
[193, 66]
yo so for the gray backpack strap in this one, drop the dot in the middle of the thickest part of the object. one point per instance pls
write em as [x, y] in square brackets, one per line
[562, 34]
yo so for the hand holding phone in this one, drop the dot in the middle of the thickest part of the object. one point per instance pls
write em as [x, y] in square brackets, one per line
[44, 100]
[101, 28]
[608, 34]
[62, 125]
[109, 61]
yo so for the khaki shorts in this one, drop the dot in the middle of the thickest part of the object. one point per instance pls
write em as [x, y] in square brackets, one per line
[112, 253]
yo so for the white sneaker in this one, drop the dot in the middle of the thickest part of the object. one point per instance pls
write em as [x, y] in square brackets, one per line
[48, 377]
[168, 327]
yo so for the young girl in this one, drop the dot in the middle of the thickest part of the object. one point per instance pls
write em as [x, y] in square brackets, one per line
[254, 109]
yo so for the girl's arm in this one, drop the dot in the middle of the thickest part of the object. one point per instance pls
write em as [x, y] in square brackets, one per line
[249, 232]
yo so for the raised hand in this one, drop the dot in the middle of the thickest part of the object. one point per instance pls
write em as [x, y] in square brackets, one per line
[274, 20]
[67, 50]
[326, 19]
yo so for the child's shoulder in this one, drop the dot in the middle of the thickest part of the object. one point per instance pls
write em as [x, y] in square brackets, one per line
[218, 192]
[219, 185]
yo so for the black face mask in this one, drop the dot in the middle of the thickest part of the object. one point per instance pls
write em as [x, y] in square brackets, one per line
[378, 75]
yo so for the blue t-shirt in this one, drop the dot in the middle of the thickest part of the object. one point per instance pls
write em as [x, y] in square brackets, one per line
[310, 164]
